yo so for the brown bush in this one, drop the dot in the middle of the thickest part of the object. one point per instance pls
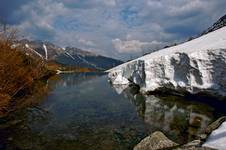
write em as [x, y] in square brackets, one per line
[4, 102]
[17, 70]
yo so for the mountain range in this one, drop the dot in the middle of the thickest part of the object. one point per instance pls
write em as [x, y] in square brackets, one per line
[75, 57]
[68, 56]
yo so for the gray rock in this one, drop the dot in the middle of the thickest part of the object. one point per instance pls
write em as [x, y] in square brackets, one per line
[203, 137]
[155, 141]
[193, 145]
[215, 125]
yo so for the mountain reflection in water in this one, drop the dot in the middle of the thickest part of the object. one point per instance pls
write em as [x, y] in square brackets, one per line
[180, 119]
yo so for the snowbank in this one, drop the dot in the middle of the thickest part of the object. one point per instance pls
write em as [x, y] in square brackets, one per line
[194, 66]
[217, 138]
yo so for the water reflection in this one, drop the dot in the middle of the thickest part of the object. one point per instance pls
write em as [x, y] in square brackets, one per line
[179, 118]
[83, 112]
[70, 80]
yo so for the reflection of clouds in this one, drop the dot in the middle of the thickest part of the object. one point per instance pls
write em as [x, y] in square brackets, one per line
[170, 116]
[71, 80]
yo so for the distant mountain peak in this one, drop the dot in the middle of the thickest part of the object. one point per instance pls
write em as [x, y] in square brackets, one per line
[77, 51]
[217, 25]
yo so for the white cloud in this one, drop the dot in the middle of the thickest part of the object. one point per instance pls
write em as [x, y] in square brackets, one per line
[109, 2]
[40, 17]
[117, 27]
[135, 46]
[86, 42]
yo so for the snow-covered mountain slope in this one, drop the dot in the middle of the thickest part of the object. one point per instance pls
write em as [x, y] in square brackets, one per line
[194, 66]
[47, 50]
[217, 25]
[69, 56]
[77, 57]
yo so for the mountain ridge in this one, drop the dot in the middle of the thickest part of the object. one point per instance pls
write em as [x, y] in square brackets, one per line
[68, 56]
[221, 22]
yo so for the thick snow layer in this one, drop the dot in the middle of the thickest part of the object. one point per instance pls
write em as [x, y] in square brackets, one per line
[118, 79]
[217, 139]
[194, 66]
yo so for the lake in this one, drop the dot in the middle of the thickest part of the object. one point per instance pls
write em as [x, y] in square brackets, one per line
[84, 112]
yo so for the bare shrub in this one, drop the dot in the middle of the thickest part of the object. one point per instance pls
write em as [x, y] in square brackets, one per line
[18, 71]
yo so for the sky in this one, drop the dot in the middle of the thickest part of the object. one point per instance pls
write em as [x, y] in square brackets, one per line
[116, 28]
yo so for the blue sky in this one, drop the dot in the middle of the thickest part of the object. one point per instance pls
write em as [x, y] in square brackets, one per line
[116, 28]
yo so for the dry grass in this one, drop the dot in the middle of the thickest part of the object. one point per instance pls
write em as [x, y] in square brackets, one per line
[17, 70]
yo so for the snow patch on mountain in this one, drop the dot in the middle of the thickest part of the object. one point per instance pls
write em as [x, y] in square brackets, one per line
[195, 66]
[46, 51]
[68, 54]
[28, 47]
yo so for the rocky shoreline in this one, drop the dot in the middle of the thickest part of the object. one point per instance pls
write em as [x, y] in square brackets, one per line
[158, 141]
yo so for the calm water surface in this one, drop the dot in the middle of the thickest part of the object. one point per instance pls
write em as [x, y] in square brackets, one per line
[84, 112]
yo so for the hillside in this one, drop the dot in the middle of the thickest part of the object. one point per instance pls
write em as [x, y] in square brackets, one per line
[69, 56]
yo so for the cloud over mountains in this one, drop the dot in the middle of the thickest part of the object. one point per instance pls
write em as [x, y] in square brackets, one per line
[112, 27]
